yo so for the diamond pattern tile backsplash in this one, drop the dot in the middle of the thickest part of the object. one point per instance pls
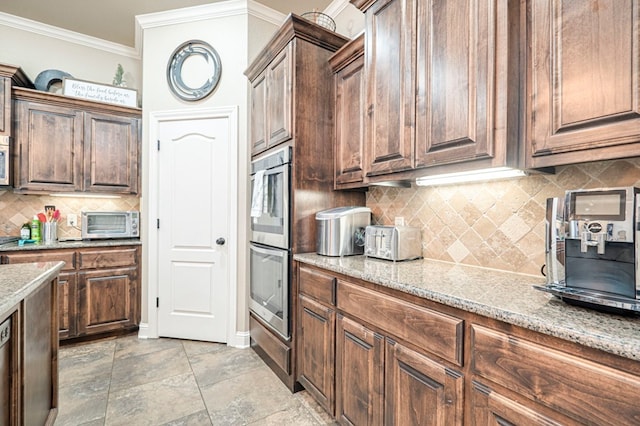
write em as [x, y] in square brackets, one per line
[498, 224]
[16, 209]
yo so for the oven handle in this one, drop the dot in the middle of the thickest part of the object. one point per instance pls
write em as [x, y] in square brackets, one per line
[270, 251]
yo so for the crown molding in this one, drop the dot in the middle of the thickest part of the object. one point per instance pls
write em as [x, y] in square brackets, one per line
[336, 7]
[208, 11]
[46, 30]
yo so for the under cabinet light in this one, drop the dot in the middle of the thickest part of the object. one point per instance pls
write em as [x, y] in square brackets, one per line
[80, 195]
[473, 176]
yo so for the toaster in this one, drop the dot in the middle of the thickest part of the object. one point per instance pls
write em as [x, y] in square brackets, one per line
[393, 242]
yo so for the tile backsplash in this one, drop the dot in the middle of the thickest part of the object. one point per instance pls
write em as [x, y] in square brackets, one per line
[16, 209]
[498, 224]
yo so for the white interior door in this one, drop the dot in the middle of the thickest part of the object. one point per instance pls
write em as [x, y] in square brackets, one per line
[193, 195]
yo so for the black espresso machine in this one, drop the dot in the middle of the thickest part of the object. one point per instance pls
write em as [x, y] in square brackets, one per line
[592, 239]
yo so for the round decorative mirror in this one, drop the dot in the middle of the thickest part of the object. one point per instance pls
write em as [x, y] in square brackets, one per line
[193, 71]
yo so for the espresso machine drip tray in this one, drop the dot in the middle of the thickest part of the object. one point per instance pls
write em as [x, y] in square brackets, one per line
[593, 299]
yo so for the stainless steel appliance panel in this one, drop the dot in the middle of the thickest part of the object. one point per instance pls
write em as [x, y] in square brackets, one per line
[592, 248]
[393, 242]
[107, 225]
[5, 161]
[269, 286]
[270, 220]
[341, 230]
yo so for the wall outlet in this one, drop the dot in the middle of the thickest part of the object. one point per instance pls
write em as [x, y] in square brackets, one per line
[399, 221]
[72, 220]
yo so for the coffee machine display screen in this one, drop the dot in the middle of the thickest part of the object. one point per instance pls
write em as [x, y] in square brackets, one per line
[603, 205]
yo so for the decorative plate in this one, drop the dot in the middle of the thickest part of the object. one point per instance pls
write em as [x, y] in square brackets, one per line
[193, 71]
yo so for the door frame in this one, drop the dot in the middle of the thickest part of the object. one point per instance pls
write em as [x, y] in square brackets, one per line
[150, 237]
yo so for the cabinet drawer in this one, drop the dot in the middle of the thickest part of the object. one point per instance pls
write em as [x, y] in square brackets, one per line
[68, 257]
[89, 259]
[318, 285]
[574, 386]
[440, 334]
[269, 343]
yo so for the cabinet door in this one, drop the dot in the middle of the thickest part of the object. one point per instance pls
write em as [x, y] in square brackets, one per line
[489, 408]
[584, 91]
[67, 301]
[39, 356]
[390, 64]
[107, 300]
[316, 340]
[259, 114]
[421, 391]
[111, 152]
[359, 374]
[350, 112]
[49, 147]
[5, 106]
[458, 70]
[279, 98]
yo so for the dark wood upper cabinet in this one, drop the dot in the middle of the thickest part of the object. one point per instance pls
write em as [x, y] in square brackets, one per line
[49, 147]
[9, 76]
[584, 83]
[442, 86]
[390, 27]
[110, 153]
[68, 145]
[271, 104]
[467, 91]
[348, 67]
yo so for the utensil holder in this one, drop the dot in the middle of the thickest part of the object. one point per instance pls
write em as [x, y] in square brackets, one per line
[49, 232]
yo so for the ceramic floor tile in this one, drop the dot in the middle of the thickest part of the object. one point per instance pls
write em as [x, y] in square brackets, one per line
[201, 418]
[152, 366]
[247, 397]
[88, 362]
[213, 367]
[133, 346]
[194, 347]
[171, 382]
[155, 403]
[83, 402]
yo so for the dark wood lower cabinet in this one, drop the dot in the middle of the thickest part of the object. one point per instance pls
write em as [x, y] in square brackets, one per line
[98, 288]
[316, 370]
[106, 300]
[359, 374]
[490, 408]
[404, 360]
[40, 353]
[419, 390]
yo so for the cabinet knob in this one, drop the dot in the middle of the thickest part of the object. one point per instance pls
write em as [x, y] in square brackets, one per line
[220, 241]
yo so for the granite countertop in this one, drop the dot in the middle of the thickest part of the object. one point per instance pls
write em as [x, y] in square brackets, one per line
[505, 296]
[20, 280]
[71, 244]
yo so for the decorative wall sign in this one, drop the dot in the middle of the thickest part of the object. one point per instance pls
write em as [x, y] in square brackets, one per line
[100, 92]
[193, 71]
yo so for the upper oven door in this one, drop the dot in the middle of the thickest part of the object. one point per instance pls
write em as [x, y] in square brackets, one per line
[5, 158]
[270, 206]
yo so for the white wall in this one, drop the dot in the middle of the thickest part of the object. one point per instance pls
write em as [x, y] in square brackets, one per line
[233, 28]
[348, 18]
[36, 47]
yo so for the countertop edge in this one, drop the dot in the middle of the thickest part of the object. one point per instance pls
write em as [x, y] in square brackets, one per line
[49, 270]
[597, 339]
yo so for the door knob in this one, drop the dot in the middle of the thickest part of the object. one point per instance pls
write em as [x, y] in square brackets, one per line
[220, 241]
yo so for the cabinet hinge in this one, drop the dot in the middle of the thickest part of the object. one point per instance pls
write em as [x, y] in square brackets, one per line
[157, 302]
[158, 144]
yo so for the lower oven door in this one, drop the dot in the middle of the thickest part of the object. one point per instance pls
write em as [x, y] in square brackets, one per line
[269, 284]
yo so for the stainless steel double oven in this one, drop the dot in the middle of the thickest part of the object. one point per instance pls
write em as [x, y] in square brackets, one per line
[270, 249]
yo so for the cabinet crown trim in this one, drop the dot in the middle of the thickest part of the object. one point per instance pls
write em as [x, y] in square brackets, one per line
[294, 27]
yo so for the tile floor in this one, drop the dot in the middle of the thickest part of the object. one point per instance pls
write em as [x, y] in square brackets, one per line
[131, 381]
